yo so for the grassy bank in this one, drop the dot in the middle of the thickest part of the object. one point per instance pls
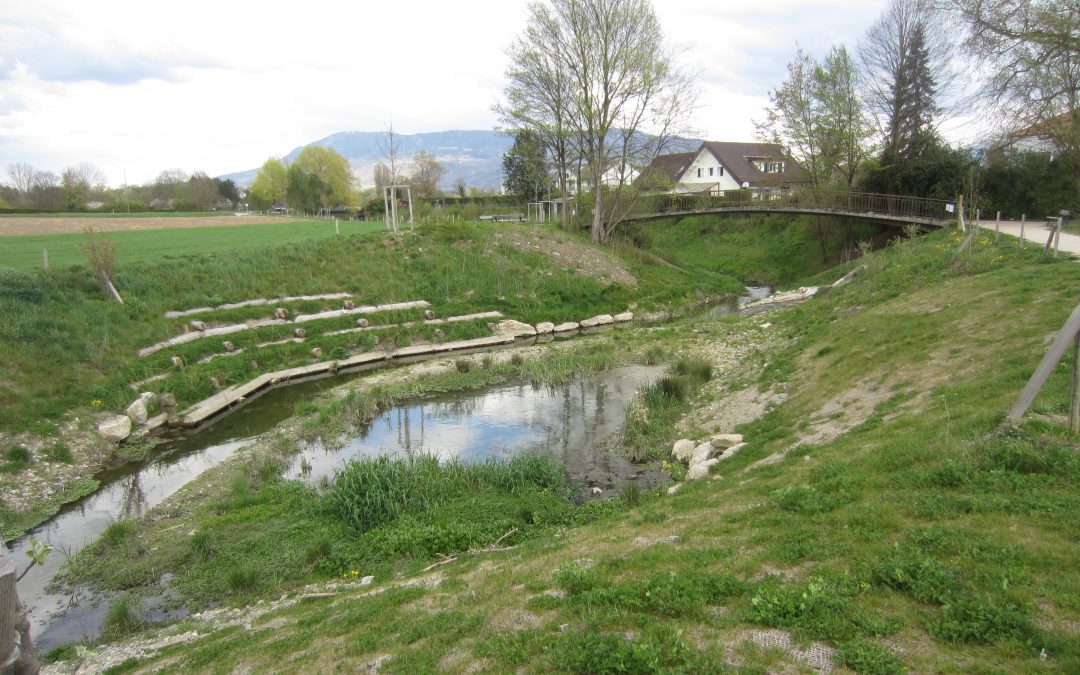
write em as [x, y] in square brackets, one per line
[880, 519]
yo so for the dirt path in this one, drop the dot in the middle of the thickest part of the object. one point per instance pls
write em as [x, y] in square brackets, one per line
[13, 226]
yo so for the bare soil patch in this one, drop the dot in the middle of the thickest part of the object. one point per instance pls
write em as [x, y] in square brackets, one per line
[14, 226]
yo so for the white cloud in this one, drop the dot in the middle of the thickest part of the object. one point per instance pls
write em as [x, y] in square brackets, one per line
[221, 86]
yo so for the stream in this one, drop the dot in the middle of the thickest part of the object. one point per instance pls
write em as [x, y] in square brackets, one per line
[572, 422]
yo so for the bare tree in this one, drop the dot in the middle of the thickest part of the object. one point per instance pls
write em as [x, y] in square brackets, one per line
[906, 56]
[426, 174]
[538, 96]
[624, 97]
[22, 177]
[391, 152]
[1032, 50]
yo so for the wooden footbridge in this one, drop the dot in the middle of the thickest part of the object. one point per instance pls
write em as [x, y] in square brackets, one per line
[886, 209]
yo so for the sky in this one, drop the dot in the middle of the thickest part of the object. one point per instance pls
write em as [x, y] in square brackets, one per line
[138, 87]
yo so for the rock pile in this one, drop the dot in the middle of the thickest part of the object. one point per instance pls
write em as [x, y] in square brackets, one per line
[700, 456]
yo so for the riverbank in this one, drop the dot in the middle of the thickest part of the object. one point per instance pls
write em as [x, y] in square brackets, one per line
[879, 518]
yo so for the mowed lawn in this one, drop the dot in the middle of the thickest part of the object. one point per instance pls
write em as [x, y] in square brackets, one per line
[26, 252]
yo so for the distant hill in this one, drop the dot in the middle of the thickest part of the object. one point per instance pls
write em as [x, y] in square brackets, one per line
[475, 156]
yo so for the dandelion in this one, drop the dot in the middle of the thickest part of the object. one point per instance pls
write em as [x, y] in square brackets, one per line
[96, 403]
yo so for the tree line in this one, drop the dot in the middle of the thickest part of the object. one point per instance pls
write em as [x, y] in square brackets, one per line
[83, 186]
[594, 91]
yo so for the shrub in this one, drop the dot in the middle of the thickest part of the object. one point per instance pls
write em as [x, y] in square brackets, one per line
[201, 545]
[982, 618]
[463, 365]
[60, 453]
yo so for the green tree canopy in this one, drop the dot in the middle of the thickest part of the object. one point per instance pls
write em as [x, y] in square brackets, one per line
[270, 184]
[525, 166]
[327, 172]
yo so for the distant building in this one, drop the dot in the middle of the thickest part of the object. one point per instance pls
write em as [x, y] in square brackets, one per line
[717, 167]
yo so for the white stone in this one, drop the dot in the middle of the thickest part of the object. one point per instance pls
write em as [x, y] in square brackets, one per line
[115, 428]
[674, 488]
[623, 317]
[598, 320]
[724, 441]
[683, 449]
[366, 581]
[198, 325]
[545, 327]
[701, 453]
[512, 327]
[701, 470]
[596, 490]
[137, 411]
[567, 326]
[732, 451]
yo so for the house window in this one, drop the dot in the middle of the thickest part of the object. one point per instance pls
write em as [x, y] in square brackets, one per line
[699, 172]
[721, 171]
[710, 170]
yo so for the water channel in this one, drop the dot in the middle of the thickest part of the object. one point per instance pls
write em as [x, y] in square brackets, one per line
[572, 422]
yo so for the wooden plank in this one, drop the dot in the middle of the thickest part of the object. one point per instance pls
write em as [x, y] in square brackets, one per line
[8, 603]
[1042, 373]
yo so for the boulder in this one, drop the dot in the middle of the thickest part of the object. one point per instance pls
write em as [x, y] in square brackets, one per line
[316, 352]
[674, 488]
[429, 315]
[367, 581]
[701, 453]
[623, 317]
[598, 320]
[683, 450]
[177, 362]
[115, 428]
[300, 333]
[439, 334]
[566, 327]
[545, 327]
[281, 313]
[137, 411]
[512, 327]
[348, 304]
[198, 325]
[730, 452]
[228, 346]
[701, 470]
[362, 323]
[725, 441]
[167, 401]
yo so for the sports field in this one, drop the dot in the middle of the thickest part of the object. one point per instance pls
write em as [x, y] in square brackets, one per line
[154, 237]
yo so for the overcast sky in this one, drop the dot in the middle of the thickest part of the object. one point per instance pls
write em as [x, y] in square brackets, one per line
[137, 87]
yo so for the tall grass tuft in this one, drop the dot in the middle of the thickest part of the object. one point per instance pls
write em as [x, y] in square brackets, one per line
[371, 492]
[122, 618]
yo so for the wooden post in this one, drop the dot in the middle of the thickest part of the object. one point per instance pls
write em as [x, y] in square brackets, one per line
[1074, 393]
[1023, 222]
[997, 227]
[1057, 234]
[45, 259]
[337, 227]
[408, 191]
[978, 221]
[1049, 239]
[386, 208]
[960, 213]
[1065, 337]
[9, 652]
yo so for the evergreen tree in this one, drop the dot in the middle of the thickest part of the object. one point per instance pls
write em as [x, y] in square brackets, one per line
[525, 166]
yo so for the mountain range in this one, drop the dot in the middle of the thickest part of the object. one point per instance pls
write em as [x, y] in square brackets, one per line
[475, 156]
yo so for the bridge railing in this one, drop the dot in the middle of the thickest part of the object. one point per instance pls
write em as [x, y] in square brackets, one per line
[810, 200]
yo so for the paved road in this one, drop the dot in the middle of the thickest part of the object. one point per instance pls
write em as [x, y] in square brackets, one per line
[1035, 233]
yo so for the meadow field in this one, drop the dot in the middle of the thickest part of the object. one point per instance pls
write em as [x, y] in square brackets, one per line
[149, 237]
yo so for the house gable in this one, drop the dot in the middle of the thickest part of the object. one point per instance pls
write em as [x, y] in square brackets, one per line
[707, 171]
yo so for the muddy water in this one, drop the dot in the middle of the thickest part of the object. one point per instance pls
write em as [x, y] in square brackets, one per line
[574, 423]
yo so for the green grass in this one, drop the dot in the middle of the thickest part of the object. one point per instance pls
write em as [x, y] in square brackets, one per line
[927, 538]
[24, 253]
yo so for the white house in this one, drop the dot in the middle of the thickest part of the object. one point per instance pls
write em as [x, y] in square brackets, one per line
[717, 167]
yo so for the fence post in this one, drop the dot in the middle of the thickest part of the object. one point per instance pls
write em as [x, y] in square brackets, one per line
[1023, 222]
[997, 227]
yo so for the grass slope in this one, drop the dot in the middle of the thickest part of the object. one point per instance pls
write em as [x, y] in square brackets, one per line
[880, 514]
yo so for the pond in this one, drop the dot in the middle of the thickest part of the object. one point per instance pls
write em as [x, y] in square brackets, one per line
[575, 423]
